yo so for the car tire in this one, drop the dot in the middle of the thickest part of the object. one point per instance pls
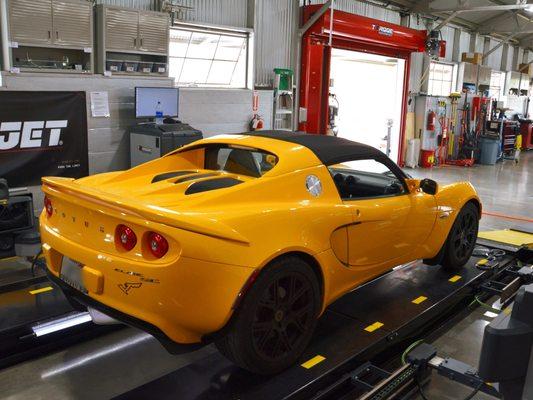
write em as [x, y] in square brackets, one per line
[461, 239]
[276, 318]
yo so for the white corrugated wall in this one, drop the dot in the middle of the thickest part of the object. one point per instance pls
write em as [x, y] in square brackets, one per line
[480, 43]
[368, 10]
[274, 30]
[510, 53]
[494, 60]
[464, 43]
[138, 4]
[219, 12]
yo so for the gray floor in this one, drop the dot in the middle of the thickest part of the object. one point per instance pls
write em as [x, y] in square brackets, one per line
[118, 362]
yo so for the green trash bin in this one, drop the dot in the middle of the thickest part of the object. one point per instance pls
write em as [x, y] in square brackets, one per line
[490, 147]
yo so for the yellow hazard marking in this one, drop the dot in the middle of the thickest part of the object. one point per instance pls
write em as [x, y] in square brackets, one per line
[419, 300]
[455, 278]
[41, 290]
[482, 262]
[313, 361]
[374, 327]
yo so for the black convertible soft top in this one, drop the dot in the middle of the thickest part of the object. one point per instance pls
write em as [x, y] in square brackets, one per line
[329, 149]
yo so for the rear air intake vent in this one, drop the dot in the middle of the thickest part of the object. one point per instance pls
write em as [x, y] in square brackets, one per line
[194, 177]
[173, 174]
[212, 184]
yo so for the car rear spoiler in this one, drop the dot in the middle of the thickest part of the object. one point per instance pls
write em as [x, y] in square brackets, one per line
[62, 187]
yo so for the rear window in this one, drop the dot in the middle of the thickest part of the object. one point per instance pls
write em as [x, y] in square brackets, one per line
[239, 160]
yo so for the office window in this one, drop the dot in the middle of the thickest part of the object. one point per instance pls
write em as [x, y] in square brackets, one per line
[442, 78]
[497, 83]
[208, 58]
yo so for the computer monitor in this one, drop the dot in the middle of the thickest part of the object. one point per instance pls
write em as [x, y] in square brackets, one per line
[146, 99]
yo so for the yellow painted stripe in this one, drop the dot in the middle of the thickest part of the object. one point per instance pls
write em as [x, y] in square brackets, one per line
[313, 361]
[41, 290]
[374, 327]
[419, 300]
[482, 262]
[455, 278]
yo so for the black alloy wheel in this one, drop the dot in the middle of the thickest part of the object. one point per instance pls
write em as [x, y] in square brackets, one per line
[275, 322]
[461, 239]
[283, 316]
[465, 235]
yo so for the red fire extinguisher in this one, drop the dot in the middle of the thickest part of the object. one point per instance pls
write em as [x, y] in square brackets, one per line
[432, 120]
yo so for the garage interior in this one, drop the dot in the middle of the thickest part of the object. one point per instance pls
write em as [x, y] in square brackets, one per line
[441, 87]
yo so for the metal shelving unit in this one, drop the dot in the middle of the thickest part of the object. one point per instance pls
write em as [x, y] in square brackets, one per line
[51, 35]
[131, 42]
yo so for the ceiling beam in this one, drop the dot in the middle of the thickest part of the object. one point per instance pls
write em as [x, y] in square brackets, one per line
[464, 8]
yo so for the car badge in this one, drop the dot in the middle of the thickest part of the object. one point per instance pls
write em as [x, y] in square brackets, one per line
[313, 185]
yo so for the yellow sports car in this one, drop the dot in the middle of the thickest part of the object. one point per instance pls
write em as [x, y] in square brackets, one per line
[244, 240]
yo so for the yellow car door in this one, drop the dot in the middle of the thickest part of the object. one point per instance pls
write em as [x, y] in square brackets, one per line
[377, 235]
[389, 221]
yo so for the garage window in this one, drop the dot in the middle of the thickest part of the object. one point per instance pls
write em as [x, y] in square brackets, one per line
[442, 79]
[497, 83]
[208, 57]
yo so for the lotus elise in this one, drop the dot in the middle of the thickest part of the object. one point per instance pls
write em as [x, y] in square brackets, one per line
[244, 240]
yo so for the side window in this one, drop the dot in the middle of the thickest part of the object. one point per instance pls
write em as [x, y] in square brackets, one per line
[366, 178]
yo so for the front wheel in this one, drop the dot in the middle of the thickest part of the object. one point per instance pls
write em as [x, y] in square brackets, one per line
[276, 319]
[461, 239]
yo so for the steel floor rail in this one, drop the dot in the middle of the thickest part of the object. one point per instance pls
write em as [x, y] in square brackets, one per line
[383, 316]
[34, 305]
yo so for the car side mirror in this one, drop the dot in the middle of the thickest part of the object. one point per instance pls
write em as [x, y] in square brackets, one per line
[429, 186]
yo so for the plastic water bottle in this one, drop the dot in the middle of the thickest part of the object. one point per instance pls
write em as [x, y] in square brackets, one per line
[158, 114]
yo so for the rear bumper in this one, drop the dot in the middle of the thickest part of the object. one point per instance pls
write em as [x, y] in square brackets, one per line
[181, 302]
[80, 301]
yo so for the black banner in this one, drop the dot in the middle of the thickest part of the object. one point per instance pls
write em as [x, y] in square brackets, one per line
[42, 134]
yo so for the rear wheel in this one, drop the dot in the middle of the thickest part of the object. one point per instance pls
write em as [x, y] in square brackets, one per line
[461, 240]
[276, 320]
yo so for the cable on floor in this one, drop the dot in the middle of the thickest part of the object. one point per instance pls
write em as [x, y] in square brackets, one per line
[424, 397]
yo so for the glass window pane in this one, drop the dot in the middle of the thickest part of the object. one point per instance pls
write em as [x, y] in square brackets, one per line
[179, 41]
[239, 75]
[195, 71]
[202, 45]
[437, 73]
[174, 67]
[221, 72]
[229, 48]
[447, 72]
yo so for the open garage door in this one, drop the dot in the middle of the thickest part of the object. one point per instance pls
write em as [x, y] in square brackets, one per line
[325, 39]
[368, 91]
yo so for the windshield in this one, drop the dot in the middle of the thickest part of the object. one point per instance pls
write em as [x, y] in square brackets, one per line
[239, 160]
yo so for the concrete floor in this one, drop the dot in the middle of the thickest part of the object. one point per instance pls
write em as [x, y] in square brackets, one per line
[505, 189]
[120, 361]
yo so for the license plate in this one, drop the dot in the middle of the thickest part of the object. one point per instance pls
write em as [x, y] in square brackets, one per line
[71, 274]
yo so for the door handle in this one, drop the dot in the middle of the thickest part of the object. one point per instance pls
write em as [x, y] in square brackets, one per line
[57, 34]
[49, 34]
[357, 213]
[141, 42]
[134, 42]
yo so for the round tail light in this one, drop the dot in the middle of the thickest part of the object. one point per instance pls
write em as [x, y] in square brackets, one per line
[157, 244]
[125, 237]
[48, 206]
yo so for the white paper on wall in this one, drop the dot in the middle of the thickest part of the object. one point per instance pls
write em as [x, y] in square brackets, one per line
[99, 104]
